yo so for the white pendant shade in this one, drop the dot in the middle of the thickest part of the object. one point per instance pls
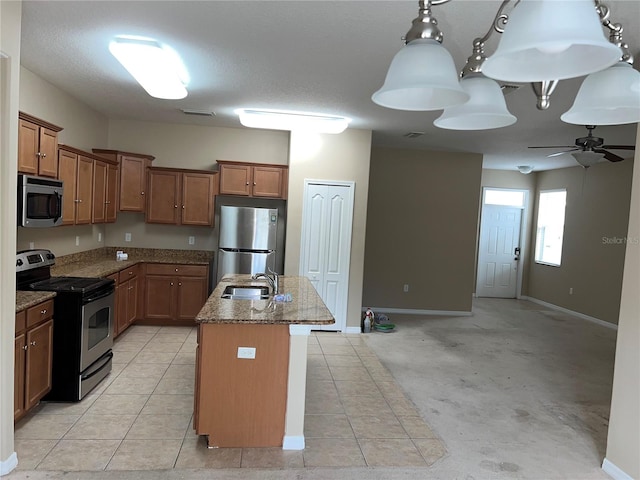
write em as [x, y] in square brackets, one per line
[609, 97]
[587, 159]
[551, 40]
[422, 76]
[485, 109]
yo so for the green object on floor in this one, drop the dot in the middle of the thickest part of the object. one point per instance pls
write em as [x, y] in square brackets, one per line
[384, 327]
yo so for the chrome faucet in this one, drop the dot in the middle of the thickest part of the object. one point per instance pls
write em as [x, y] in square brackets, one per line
[272, 279]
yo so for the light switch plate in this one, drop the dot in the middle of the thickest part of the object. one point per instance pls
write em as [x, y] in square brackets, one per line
[246, 352]
[127, 237]
[192, 240]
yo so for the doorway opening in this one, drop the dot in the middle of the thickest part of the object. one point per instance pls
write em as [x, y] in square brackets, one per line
[501, 244]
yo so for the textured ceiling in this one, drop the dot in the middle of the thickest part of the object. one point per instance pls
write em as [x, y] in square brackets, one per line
[322, 56]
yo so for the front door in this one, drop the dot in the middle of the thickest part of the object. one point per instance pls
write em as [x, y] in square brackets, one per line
[498, 251]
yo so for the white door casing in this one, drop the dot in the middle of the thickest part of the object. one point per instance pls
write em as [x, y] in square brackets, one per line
[327, 218]
[497, 256]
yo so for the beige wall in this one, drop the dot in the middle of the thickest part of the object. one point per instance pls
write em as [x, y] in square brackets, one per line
[192, 146]
[330, 157]
[623, 442]
[515, 180]
[10, 18]
[422, 223]
[597, 209]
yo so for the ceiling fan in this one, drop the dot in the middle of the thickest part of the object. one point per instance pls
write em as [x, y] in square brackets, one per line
[591, 144]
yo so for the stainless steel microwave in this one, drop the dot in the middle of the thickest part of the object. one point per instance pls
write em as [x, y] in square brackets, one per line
[39, 201]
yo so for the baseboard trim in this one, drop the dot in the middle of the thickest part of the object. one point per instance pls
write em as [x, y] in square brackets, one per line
[353, 330]
[293, 442]
[6, 466]
[614, 472]
[589, 318]
[410, 311]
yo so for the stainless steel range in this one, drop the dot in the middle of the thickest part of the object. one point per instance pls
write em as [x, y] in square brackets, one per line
[82, 325]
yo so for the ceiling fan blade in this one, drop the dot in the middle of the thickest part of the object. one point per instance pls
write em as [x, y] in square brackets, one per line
[612, 157]
[556, 146]
[562, 153]
[620, 147]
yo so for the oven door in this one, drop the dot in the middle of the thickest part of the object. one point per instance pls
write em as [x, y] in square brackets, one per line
[97, 326]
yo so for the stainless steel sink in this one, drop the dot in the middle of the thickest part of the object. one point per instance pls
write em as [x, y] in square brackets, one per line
[246, 292]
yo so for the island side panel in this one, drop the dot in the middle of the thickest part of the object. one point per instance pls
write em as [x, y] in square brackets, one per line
[241, 402]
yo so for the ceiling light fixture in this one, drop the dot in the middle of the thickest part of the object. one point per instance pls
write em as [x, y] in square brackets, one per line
[156, 67]
[587, 158]
[422, 75]
[610, 96]
[526, 169]
[291, 120]
[543, 41]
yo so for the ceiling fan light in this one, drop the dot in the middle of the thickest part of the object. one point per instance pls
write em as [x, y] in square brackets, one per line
[525, 169]
[551, 40]
[485, 109]
[608, 97]
[587, 158]
[421, 77]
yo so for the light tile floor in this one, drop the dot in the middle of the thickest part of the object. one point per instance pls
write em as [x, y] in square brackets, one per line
[140, 416]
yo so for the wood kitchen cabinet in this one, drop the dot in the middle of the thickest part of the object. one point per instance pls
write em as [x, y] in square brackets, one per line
[105, 186]
[75, 169]
[181, 197]
[133, 177]
[33, 356]
[126, 298]
[253, 179]
[37, 146]
[174, 293]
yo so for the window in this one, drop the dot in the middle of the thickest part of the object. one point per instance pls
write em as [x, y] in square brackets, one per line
[511, 198]
[550, 229]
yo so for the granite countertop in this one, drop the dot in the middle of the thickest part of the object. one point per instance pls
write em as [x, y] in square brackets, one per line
[102, 264]
[306, 308]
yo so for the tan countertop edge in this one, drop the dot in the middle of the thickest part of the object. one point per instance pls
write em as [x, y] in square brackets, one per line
[307, 308]
[25, 300]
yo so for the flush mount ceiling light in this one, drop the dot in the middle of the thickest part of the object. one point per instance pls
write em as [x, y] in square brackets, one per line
[156, 67]
[291, 120]
[587, 158]
[422, 75]
[526, 169]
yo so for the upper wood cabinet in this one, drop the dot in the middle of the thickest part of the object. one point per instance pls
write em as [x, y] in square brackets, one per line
[133, 178]
[105, 189]
[37, 146]
[253, 179]
[75, 169]
[180, 197]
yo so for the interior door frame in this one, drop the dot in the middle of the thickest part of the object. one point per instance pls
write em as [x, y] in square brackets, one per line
[339, 325]
[524, 247]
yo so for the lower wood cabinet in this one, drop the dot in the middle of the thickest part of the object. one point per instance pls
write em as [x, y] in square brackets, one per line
[33, 356]
[174, 293]
[126, 298]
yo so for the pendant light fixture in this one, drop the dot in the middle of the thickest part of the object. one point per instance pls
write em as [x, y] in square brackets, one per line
[551, 40]
[611, 96]
[587, 158]
[422, 76]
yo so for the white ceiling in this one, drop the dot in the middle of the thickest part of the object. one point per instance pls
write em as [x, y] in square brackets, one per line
[321, 56]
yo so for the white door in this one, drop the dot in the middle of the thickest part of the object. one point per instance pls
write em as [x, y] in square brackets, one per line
[497, 255]
[327, 218]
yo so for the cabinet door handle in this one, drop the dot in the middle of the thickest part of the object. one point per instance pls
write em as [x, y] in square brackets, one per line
[38, 154]
[176, 269]
[25, 347]
[107, 203]
[171, 284]
[141, 193]
[254, 184]
[130, 273]
[44, 155]
[33, 343]
[179, 284]
[175, 206]
[183, 207]
[247, 183]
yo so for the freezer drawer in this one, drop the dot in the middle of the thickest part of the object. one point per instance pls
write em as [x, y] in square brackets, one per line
[244, 262]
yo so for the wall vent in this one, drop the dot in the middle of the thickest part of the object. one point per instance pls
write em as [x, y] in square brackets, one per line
[202, 113]
[413, 134]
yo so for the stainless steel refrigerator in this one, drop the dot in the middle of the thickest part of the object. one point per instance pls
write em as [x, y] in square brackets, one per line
[247, 240]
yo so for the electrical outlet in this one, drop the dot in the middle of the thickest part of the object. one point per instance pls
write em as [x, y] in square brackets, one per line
[99, 236]
[247, 352]
[127, 237]
[571, 291]
[77, 240]
[405, 289]
[32, 245]
[192, 240]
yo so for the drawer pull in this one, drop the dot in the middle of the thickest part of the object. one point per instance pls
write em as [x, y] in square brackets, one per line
[130, 273]
[33, 343]
[176, 269]
[42, 312]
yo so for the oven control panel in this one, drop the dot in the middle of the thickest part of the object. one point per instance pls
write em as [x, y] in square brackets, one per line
[29, 259]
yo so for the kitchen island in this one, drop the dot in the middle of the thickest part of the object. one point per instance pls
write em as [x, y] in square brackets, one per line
[251, 364]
